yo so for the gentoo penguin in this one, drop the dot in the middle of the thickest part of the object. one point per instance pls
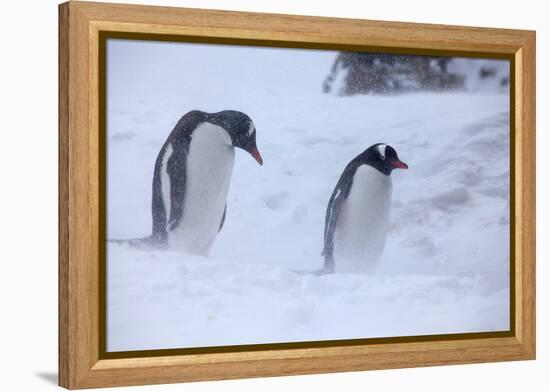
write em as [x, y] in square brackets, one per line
[356, 220]
[192, 176]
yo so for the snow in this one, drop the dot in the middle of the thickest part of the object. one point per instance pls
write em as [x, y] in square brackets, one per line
[445, 268]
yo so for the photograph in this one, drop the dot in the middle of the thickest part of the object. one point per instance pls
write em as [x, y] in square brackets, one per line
[265, 195]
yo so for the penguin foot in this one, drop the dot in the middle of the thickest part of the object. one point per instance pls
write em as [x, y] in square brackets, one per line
[324, 270]
[142, 243]
[320, 272]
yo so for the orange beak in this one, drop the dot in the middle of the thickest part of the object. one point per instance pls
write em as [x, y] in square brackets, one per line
[256, 155]
[399, 164]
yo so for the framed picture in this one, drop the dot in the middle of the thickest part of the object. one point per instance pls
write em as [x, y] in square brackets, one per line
[247, 195]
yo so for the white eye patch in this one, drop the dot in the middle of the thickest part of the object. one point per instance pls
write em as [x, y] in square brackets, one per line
[382, 150]
[251, 129]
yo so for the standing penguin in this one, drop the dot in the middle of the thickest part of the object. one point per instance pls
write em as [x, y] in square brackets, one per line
[192, 176]
[358, 211]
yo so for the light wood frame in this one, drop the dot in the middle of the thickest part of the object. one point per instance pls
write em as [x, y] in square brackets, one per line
[80, 165]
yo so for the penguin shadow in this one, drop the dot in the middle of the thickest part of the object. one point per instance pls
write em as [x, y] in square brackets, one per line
[48, 377]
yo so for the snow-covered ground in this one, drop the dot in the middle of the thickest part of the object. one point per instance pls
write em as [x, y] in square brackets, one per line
[445, 268]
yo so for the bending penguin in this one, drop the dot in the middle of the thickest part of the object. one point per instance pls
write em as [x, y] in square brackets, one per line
[357, 216]
[192, 176]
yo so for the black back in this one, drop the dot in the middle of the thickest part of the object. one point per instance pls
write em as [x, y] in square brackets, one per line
[339, 194]
[179, 138]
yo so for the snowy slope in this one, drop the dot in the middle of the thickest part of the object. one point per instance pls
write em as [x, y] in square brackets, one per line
[445, 266]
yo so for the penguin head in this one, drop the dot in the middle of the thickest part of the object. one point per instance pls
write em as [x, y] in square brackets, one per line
[241, 129]
[383, 157]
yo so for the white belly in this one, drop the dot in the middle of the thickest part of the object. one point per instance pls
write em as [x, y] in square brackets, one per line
[208, 175]
[363, 223]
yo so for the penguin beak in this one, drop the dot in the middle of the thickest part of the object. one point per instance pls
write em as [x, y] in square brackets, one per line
[399, 164]
[256, 155]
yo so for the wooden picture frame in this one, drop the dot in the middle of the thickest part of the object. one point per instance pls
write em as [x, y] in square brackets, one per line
[82, 362]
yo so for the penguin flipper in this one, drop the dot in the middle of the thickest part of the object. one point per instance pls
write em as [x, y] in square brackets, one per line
[331, 220]
[223, 218]
[334, 207]
[176, 171]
